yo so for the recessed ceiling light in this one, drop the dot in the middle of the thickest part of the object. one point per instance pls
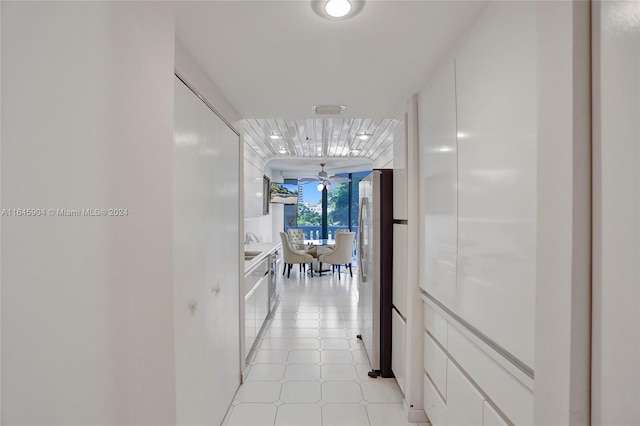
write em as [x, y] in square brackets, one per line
[355, 151]
[336, 10]
[275, 136]
[363, 136]
[282, 150]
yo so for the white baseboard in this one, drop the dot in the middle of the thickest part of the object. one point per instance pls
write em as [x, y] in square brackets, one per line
[414, 415]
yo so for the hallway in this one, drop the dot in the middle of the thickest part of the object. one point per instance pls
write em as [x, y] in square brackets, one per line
[309, 369]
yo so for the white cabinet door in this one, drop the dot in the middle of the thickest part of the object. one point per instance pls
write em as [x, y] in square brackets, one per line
[438, 184]
[497, 177]
[398, 348]
[253, 191]
[262, 302]
[206, 243]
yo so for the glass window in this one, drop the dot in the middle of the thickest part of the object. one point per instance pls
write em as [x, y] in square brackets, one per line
[343, 202]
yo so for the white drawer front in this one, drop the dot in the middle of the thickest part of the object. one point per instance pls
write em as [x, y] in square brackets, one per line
[434, 406]
[490, 417]
[507, 392]
[435, 364]
[436, 324]
[464, 402]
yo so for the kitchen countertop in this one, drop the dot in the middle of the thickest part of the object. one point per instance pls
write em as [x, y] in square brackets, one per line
[265, 248]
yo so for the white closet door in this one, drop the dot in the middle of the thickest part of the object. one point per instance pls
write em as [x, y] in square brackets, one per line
[206, 289]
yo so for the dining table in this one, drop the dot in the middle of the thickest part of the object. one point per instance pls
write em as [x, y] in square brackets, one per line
[318, 247]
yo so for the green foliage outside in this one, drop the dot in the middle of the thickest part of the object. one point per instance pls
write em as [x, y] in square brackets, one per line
[308, 217]
[338, 205]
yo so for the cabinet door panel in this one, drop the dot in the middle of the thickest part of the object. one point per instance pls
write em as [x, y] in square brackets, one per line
[497, 177]
[438, 182]
[262, 302]
[253, 181]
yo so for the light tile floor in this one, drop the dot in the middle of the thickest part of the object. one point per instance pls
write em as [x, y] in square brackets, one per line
[308, 367]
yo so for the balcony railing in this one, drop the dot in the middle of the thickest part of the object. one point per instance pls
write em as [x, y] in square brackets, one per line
[315, 232]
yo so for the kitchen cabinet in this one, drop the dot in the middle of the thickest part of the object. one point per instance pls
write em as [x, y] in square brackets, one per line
[465, 379]
[260, 290]
[253, 189]
[256, 302]
[478, 163]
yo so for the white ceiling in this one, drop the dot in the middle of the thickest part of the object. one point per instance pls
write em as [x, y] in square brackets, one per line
[326, 138]
[276, 59]
[307, 167]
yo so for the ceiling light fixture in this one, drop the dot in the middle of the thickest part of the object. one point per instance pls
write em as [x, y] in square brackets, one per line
[324, 184]
[282, 150]
[336, 10]
[275, 136]
[363, 136]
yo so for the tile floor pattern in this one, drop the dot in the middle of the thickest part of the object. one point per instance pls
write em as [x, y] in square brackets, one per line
[309, 369]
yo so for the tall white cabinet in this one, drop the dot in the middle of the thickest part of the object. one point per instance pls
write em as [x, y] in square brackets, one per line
[478, 144]
[206, 284]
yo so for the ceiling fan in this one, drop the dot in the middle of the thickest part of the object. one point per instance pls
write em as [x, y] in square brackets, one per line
[324, 179]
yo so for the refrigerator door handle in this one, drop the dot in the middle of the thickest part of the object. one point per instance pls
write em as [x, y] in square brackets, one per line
[363, 275]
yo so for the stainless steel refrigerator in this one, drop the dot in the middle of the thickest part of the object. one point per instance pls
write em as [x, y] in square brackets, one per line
[375, 254]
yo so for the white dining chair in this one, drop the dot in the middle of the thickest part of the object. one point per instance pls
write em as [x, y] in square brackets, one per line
[291, 256]
[342, 254]
[296, 237]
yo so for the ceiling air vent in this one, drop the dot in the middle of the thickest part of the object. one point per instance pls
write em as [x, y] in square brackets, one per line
[329, 109]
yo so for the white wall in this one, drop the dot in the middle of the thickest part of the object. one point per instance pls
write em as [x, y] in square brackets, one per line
[616, 213]
[87, 310]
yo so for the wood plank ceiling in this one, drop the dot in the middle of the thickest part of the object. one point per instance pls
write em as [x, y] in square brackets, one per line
[320, 138]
